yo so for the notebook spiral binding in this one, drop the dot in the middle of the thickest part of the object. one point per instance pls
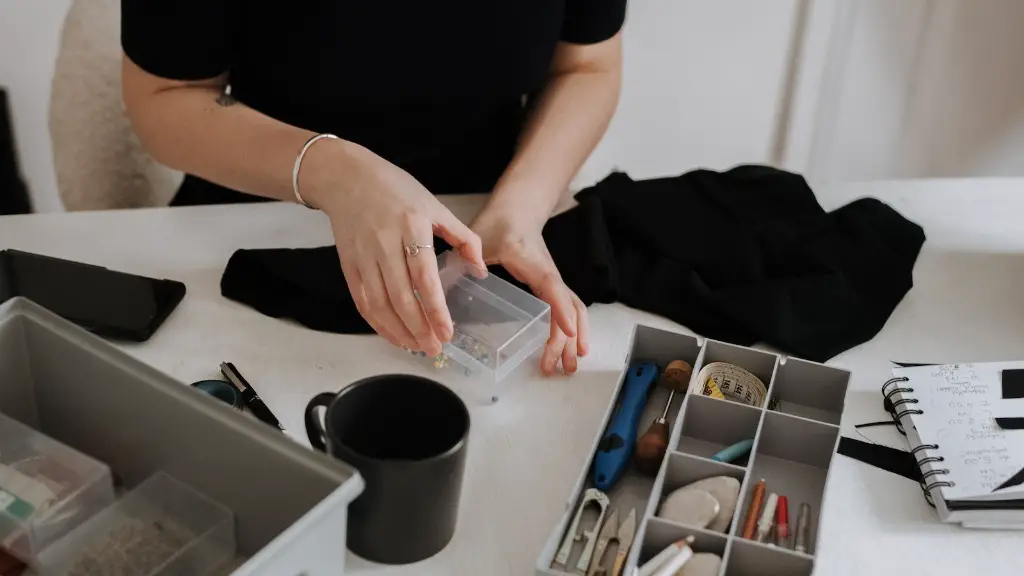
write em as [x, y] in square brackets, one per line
[897, 409]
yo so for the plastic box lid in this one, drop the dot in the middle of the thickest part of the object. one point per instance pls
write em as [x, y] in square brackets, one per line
[46, 489]
[497, 324]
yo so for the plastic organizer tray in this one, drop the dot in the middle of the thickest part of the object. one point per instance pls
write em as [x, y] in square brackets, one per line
[162, 527]
[83, 392]
[794, 445]
[46, 489]
[497, 325]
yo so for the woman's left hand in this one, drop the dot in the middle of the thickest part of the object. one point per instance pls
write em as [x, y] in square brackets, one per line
[518, 245]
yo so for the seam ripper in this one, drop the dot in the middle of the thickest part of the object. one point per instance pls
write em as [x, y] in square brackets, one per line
[616, 447]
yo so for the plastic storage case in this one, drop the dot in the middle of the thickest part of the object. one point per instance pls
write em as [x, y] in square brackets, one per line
[83, 392]
[162, 527]
[794, 445]
[46, 489]
[497, 325]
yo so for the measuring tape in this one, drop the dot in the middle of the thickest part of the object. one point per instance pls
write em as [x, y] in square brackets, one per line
[724, 379]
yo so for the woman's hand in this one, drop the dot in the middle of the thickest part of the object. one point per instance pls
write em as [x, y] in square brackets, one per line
[376, 211]
[517, 244]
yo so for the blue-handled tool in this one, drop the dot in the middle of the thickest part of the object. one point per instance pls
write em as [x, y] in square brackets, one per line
[616, 447]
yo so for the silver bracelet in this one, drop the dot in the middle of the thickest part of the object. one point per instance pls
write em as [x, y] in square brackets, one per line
[298, 164]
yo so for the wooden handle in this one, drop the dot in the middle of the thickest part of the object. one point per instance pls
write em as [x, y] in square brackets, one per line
[650, 449]
[620, 559]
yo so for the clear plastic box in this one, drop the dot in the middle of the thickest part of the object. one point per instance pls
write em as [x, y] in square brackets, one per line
[46, 489]
[497, 325]
[162, 527]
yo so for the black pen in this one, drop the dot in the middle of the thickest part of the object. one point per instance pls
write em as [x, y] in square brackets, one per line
[249, 395]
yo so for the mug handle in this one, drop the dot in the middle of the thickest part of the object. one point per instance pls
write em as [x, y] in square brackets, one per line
[314, 426]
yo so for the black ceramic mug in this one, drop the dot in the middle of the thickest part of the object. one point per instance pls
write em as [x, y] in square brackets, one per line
[407, 436]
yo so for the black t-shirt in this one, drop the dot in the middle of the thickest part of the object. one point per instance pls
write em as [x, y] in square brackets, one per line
[439, 88]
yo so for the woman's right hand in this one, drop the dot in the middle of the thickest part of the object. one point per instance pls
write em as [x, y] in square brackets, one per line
[376, 210]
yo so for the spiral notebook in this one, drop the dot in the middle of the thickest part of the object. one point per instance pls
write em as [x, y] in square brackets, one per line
[972, 469]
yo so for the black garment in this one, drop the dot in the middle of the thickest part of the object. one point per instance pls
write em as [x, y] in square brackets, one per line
[899, 462]
[13, 191]
[436, 88]
[743, 256]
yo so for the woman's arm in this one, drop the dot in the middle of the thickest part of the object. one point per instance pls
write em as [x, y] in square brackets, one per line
[569, 120]
[194, 127]
[375, 208]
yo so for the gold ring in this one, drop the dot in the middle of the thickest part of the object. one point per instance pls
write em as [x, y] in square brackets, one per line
[414, 249]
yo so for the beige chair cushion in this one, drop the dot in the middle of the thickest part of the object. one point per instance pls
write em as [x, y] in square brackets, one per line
[98, 160]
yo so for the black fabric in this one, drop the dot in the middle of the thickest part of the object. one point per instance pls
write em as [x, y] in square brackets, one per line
[436, 88]
[13, 191]
[898, 462]
[195, 191]
[745, 256]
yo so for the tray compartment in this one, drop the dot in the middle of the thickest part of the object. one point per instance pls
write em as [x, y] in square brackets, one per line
[660, 534]
[684, 469]
[810, 390]
[710, 425]
[752, 559]
[793, 457]
[759, 363]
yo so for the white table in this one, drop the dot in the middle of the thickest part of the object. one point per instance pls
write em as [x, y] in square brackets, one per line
[527, 449]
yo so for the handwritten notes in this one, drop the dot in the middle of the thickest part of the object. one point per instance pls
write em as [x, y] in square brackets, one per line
[957, 402]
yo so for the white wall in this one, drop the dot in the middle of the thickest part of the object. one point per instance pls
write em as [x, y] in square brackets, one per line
[913, 88]
[880, 88]
[704, 86]
[29, 32]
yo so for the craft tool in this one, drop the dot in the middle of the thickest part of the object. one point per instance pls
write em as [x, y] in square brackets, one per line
[734, 452]
[616, 447]
[782, 523]
[672, 567]
[750, 524]
[659, 560]
[608, 533]
[625, 536]
[690, 507]
[803, 528]
[724, 489]
[735, 383]
[622, 534]
[249, 395]
[573, 535]
[650, 449]
[764, 527]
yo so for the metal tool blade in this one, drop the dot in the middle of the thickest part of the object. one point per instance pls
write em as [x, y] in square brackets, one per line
[608, 531]
[627, 530]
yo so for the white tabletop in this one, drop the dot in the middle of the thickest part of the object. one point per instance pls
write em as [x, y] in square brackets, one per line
[527, 450]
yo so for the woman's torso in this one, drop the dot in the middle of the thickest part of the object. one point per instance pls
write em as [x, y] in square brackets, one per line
[437, 88]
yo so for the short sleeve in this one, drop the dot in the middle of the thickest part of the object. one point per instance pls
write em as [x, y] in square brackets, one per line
[177, 39]
[592, 21]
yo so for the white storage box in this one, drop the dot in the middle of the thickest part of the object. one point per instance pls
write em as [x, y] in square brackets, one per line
[290, 504]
